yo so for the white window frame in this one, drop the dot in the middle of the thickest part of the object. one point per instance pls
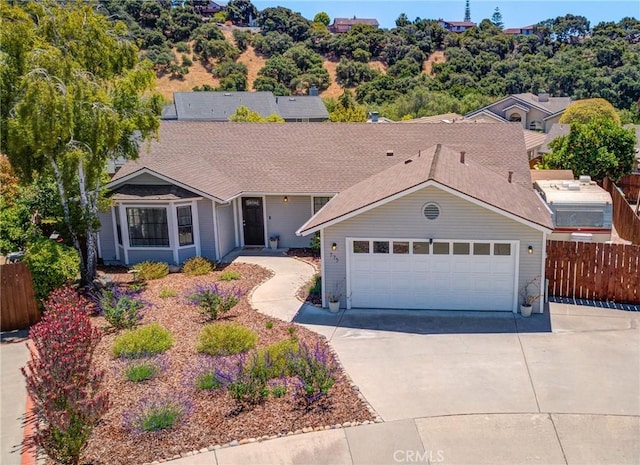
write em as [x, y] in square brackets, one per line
[172, 224]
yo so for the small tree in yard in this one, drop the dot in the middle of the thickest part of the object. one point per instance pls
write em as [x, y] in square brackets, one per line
[74, 95]
[60, 379]
[599, 148]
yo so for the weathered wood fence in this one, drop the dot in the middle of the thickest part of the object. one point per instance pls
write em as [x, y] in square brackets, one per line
[592, 270]
[625, 220]
[18, 306]
[630, 185]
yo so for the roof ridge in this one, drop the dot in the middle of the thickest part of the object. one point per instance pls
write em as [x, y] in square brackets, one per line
[436, 155]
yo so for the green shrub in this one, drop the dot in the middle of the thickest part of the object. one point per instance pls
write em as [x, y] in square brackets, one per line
[142, 370]
[316, 285]
[183, 47]
[51, 265]
[207, 381]
[121, 308]
[269, 324]
[213, 300]
[167, 292]
[149, 270]
[197, 266]
[226, 339]
[186, 61]
[229, 275]
[279, 390]
[145, 340]
[275, 357]
[158, 413]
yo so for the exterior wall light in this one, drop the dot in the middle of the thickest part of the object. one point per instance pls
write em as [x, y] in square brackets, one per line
[530, 249]
[285, 199]
[334, 246]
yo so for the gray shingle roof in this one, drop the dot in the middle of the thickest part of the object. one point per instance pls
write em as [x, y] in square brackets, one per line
[219, 106]
[553, 105]
[224, 160]
[301, 107]
[443, 166]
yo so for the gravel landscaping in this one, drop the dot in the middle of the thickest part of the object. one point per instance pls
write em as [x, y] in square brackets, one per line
[214, 417]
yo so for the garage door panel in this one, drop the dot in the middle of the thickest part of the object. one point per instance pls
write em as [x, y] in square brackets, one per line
[426, 281]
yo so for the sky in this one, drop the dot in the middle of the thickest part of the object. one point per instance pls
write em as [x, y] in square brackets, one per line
[515, 13]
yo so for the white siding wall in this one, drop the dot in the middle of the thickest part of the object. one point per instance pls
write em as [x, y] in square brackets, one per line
[284, 219]
[225, 229]
[107, 241]
[207, 234]
[403, 218]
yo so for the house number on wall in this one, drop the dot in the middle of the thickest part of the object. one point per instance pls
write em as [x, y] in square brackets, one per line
[334, 257]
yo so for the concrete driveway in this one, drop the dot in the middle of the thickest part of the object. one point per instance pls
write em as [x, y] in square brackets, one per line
[475, 385]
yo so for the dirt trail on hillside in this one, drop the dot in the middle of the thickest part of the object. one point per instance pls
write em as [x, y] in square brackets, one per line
[334, 90]
[435, 57]
[198, 75]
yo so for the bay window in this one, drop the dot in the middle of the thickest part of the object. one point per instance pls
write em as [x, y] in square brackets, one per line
[147, 227]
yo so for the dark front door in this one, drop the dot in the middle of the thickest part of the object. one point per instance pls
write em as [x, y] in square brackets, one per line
[252, 221]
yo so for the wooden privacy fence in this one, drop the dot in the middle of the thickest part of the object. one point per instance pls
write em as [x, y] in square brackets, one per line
[626, 222]
[593, 270]
[18, 306]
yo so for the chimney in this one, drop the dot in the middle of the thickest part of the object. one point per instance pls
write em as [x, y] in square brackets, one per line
[313, 91]
[543, 97]
[374, 116]
[389, 153]
[510, 175]
[462, 157]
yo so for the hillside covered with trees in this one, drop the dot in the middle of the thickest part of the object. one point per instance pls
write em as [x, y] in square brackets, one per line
[385, 69]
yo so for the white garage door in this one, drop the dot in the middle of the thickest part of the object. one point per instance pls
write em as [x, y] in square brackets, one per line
[441, 275]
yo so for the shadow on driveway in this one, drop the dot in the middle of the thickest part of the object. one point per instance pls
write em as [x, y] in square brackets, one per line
[427, 321]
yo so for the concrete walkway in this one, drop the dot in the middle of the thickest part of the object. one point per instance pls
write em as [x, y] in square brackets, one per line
[465, 388]
[13, 355]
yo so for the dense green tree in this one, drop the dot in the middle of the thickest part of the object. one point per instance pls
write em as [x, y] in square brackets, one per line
[587, 110]
[269, 84]
[599, 148]
[284, 20]
[245, 115]
[241, 11]
[272, 43]
[346, 109]
[304, 58]
[322, 18]
[350, 73]
[496, 18]
[83, 100]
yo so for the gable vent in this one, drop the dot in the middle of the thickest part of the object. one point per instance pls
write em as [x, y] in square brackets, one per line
[431, 211]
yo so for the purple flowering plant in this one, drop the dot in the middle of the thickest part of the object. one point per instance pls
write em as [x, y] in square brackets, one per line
[122, 308]
[157, 413]
[213, 299]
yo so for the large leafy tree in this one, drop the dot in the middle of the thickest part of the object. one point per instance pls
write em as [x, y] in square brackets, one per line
[583, 111]
[599, 148]
[78, 97]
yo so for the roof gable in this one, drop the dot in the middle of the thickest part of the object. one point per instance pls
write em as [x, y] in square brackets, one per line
[444, 168]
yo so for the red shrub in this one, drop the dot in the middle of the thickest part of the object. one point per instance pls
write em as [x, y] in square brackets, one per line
[60, 380]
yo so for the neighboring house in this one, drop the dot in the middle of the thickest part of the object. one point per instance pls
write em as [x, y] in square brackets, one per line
[432, 227]
[551, 175]
[219, 106]
[582, 210]
[525, 31]
[208, 9]
[456, 26]
[534, 112]
[343, 25]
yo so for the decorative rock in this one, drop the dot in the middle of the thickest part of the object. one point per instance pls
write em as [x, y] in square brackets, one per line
[346, 424]
[318, 428]
[234, 442]
[217, 446]
[290, 433]
[378, 420]
[366, 422]
[355, 388]
[307, 429]
[203, 450]
[327, 427]
[251, 440]
[298, 431]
